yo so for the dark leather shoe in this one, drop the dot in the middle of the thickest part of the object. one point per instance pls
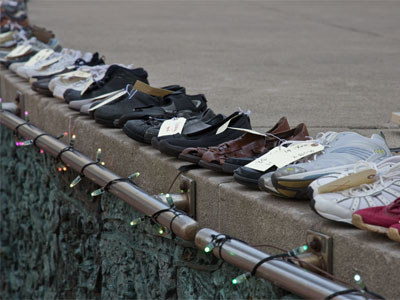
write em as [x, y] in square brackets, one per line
[249, 177]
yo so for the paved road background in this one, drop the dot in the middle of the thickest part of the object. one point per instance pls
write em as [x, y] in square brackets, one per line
[330, 64]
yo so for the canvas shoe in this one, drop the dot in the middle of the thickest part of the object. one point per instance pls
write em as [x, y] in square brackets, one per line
[394, 232]
[342, 151]
[116, 78]
[68, 57]
[58, 85]
[173, 145]
[118, 112]
[339, 206]
[378, 219]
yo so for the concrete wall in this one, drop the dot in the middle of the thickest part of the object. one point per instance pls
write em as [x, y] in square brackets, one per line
[222, 204]
[56, 243]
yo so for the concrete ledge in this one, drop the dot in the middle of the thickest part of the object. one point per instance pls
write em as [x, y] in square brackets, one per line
[222, 204]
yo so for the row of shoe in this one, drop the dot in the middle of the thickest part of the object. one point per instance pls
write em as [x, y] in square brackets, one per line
[283, 161]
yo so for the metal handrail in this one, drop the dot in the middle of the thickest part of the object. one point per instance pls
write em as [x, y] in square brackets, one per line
[283, 274]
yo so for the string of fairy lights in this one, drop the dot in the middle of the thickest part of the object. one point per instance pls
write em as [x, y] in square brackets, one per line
[217, 241]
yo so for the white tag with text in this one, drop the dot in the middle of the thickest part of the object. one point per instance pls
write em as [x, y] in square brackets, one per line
[172, 126]
[283, 156]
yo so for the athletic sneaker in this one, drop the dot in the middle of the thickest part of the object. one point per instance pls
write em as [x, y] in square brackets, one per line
[394, 232]
[116, 78]
[339, 206]
[67, 58]
[59, 84]
[378, 219]
[342, 151]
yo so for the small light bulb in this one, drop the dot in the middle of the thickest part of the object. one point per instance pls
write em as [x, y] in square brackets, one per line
[98, 154]
[136, 221]
[72, 142]
[134, 175]
[298, 250]
[65, 168]
[170, 200]
[59, 169]
[359, 281]
[26, 116]
[102, 163]
[161, 231]
[209, 248]
[41, 151]
[97, 192]
[75, 181]
[241, 278]
[66, 133]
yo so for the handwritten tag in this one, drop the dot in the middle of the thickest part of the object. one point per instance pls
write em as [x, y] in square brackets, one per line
[19, 51]
[75, 74]
[226, 124]
[283, 156]
[352, 180]
[40, 56]
[111, 98]
[247, 130]
[172, 126]
[147, 89]
[47, 63]
[88, 83]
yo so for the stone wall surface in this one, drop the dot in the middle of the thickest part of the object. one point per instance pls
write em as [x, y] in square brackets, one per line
[58, 243]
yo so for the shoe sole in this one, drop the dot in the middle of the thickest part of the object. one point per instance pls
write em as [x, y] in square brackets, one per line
[310, 195]
[188, 157]
[170, 149]
[210, 166]
[296, 189]
[357, 221]
[394, 234]
[229, 168]
[106, 122]
[133, 135]
[246, 181]
[44, 92]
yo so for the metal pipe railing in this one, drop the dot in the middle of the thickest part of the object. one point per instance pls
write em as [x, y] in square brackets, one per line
[284, 274]
[288, 276]
[183, 226]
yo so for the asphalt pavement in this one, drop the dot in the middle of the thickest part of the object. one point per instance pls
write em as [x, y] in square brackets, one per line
[329, 64]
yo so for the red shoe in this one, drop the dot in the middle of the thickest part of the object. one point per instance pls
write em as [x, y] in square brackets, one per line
[394, 232]
[379, 218]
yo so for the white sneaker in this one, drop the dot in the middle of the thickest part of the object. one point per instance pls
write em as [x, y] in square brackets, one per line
[339, 206]
[60, 84]
[67, 59]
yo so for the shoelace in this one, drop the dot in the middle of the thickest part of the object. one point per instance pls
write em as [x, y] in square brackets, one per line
[391, 174]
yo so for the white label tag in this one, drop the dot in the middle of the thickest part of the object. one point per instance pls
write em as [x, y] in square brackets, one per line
[172, 126]
[76, 74]
[41, 55]
[47, 63]
[349, 181]
[19, 51]
[111, 98]
[282, 156]
[225, 125]
[90, 81]
[248, 130]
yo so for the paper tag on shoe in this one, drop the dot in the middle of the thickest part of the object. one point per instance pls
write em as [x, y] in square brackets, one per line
[110, 98]
[40, 56]
[88, 83]
[172, 126]
[353, 180]
[19, 51]
[75, 74]
[248, 130]
[47, 63]
[224, 126]
[283, 156]
[147, 89]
